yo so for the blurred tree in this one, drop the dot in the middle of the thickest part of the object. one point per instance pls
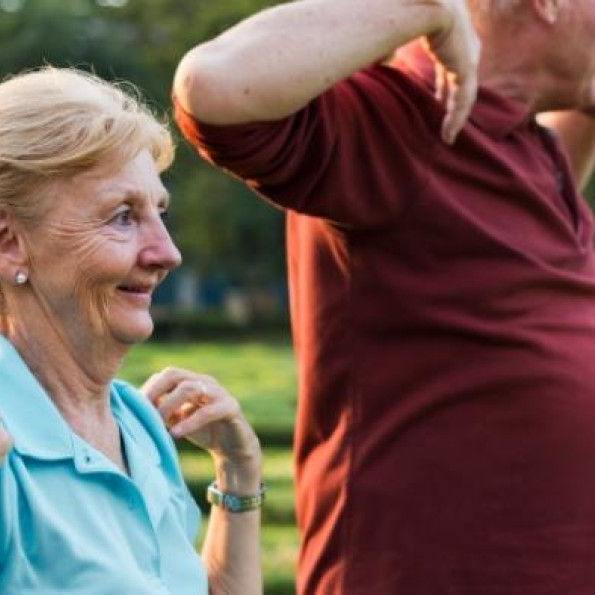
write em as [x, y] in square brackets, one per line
[217, 222]
[65, 33]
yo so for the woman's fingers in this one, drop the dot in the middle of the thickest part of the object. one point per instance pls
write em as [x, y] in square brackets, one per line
[177, 394]
[197, 407]
[202, 417]
[163, 382]
[187, 396]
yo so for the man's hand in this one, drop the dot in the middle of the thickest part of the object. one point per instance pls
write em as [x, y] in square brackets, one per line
[456, 49]
[5, 443]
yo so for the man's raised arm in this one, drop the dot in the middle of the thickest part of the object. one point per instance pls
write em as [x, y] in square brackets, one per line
[273, 63]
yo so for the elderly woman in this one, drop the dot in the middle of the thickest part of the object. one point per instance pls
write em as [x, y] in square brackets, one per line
[92, 500]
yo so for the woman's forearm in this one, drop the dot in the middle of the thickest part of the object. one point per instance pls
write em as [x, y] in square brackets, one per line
[231, 551]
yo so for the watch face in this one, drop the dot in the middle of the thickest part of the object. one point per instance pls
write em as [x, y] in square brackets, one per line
[234, 504]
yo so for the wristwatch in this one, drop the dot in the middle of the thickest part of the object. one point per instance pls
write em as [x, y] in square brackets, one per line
[234, 502]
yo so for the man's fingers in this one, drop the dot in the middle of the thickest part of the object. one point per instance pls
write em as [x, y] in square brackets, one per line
[440, 82]
[456, 51]
[459, 103]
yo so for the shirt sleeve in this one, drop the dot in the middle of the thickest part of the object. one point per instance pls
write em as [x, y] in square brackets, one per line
[357, 155]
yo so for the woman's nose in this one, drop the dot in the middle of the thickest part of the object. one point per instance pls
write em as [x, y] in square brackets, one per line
[159, 249]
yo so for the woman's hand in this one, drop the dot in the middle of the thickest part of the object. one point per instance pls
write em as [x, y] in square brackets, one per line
[5, 442]
[196, 407]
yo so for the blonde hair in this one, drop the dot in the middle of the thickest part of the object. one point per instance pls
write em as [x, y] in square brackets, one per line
[57, 122]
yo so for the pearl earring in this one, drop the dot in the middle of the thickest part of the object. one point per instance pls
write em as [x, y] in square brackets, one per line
[20, 278]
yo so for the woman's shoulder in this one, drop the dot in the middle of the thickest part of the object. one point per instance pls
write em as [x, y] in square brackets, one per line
[131, 397]
[127, 400]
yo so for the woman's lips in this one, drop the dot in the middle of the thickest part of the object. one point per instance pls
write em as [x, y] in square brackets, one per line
[139, 293]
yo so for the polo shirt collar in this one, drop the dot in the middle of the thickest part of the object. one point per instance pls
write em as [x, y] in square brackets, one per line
[38, 428]
[499, 116]
[496, 115]
[30, 416]
[143, 456]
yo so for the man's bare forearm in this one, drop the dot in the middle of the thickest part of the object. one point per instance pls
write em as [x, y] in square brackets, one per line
[275, 62]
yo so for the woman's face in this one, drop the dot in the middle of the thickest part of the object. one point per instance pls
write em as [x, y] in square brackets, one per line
[101, 251]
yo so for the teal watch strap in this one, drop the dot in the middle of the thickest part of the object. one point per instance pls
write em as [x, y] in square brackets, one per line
[233, 502]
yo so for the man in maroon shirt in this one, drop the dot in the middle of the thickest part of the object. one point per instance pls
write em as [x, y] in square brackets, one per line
[442, 280]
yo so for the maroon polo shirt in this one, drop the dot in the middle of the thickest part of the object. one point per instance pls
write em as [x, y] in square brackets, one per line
[443, 307]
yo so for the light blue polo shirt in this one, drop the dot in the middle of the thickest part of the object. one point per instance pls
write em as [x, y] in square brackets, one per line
[70, 521]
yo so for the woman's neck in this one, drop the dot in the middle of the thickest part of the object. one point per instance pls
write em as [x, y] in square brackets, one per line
[76, 374]
[78, 382]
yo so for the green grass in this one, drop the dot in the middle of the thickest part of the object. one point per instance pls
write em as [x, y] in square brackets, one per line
[279, 545]
[262, 377]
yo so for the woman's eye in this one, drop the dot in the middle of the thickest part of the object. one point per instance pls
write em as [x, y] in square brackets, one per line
[164, 216]
[123, 218]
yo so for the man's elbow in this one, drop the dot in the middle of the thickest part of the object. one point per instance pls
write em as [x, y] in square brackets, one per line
[201, 86]
[191, 87]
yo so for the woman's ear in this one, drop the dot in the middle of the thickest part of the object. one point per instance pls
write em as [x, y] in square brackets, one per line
[14, 262]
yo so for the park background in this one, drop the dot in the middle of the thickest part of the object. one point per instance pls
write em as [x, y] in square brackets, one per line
[224, 312]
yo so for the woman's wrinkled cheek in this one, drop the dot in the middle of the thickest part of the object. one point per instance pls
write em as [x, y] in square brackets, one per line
[92, 301]
[91, 273]
[75, 238]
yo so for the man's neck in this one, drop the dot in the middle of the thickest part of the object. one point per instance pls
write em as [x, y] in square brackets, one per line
[521, 66]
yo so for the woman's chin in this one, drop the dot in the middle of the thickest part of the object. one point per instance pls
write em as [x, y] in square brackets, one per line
[134, 333]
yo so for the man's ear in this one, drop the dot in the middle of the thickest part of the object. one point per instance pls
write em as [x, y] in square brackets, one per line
[547, 10]
[13, 252]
